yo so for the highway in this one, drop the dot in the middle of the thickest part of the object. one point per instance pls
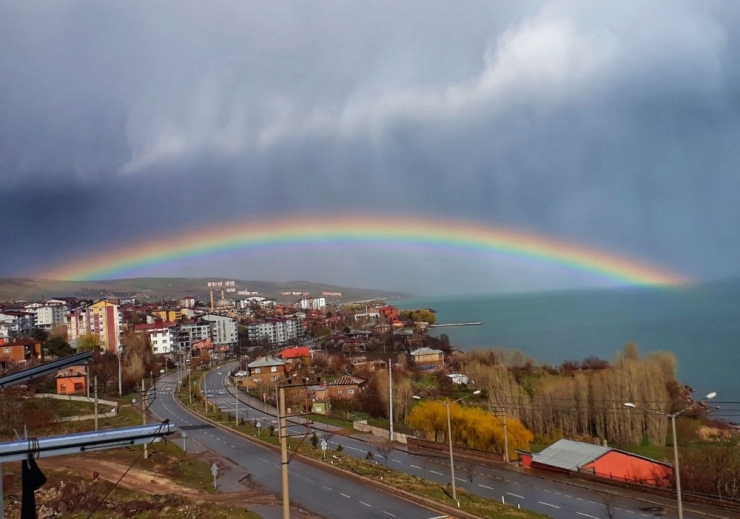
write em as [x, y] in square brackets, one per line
[554, 498]
[319, 492]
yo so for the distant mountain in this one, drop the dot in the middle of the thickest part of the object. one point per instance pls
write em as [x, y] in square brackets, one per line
[155, 289]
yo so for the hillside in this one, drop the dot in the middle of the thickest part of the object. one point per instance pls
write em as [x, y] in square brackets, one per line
[174, 288]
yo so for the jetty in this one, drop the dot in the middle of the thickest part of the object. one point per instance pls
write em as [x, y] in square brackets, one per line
[450, 325]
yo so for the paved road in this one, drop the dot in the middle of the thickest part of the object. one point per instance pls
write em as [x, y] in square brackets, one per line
[322, 493]
[556, 499]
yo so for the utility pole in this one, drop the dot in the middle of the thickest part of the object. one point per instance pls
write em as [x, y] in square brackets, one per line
[143, 411]
[96, 402]
[506, 439]
[120, 377]
[390, 397]
[284, 452]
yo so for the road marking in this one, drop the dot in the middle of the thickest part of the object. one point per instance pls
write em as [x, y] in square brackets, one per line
[388, 513]
[233, 446]
[415, 467]
[586, 515]
[328, 488]
[364, 503]
[547, 504]
[515, 495]
[439, 473]
[345, 495]
[489, 488]
[397, 461]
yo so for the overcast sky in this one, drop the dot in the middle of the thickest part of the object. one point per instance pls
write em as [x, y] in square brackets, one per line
[612, 124]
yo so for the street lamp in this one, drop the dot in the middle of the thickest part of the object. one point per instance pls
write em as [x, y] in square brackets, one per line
[673, 416]
[120, 378]
[506, 435]
[449, 438]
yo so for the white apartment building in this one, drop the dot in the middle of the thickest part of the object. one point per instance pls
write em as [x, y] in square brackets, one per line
[223, 331]
[19, 323]
[48, 314]
[162, 336]
[276, 331]
[312, 303]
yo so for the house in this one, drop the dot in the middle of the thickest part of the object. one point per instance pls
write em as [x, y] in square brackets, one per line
[20, 351]
[570, 456]
[427, 359]
[265, 370]
[362, 364]
[343, 388]
[72, 381]
[296, 356]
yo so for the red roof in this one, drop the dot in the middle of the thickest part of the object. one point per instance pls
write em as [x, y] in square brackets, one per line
[153, 326]
[295, 353]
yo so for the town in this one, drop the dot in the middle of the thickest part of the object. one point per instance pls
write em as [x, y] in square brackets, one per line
[367, 367]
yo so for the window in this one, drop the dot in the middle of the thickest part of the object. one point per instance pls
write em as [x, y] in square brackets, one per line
[339, 391]
[273, 369]
[256, 370]
[274, 378]
[350, 391]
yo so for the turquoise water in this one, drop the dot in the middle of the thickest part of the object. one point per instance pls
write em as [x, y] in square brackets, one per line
[700, 325]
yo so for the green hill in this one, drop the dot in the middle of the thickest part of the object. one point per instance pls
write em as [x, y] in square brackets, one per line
[154, 289]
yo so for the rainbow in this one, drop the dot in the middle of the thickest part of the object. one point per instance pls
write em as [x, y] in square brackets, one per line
[449, 235]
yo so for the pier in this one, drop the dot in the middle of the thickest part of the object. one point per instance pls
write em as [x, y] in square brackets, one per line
[450, 325]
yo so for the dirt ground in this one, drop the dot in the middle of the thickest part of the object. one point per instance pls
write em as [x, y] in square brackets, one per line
[84, 489]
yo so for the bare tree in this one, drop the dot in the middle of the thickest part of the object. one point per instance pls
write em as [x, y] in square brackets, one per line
[608, 503]
[468, 468]
[385, 449]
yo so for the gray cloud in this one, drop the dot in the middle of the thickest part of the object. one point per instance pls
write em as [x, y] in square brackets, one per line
[612, 124]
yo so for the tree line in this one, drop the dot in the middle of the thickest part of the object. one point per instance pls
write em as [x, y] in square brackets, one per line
[585, 403]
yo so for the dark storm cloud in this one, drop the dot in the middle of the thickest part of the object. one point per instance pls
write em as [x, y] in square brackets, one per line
[611, 124]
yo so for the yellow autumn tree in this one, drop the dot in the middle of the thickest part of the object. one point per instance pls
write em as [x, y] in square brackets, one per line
[471, 427]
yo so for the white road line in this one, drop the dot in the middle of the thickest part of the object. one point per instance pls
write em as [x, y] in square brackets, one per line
[586, 515]
[438, 473]
[364, 503]
[547, 504]
[459, 479]
[484, 486]
[397, 461]
[388, 513]
[515, 495]
[328, 488]
[415, 467]
[345, 495]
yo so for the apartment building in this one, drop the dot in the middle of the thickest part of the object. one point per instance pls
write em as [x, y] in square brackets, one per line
[162, 336]
[223, 332]
[312, 303]
[276, 331]
[102, 319]
[190, 332]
